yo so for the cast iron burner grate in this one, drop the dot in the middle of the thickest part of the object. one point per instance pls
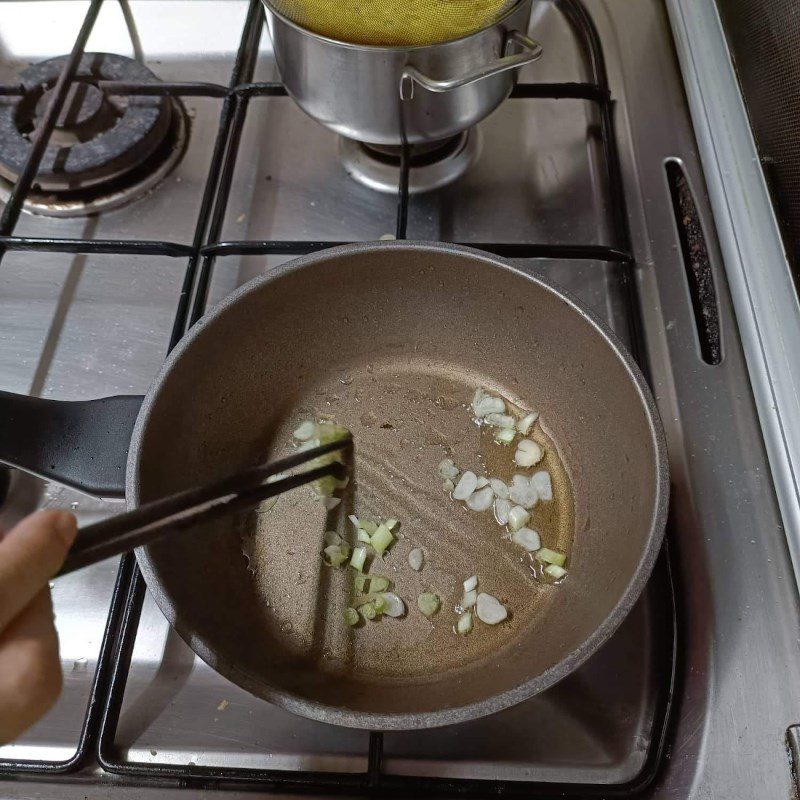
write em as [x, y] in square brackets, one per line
[105, 149]
[97, 746]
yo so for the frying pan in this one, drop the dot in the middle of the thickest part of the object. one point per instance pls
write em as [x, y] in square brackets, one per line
[391, 340]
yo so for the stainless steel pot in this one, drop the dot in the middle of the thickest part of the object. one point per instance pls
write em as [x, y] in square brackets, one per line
[391, 95]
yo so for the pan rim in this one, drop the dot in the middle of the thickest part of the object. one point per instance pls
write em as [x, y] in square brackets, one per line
[364, 720]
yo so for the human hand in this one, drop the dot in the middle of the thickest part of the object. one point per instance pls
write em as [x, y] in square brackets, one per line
[30, 670]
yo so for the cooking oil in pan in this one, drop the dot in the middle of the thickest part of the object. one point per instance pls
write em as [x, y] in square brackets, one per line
[404, 421]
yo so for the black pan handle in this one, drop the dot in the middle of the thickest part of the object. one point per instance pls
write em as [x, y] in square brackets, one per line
[82, 444]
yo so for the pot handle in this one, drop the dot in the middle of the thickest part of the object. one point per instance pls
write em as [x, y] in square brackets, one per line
[82, 444]
[532, 50]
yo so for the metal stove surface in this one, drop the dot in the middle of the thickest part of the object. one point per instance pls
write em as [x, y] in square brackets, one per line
[86, 326]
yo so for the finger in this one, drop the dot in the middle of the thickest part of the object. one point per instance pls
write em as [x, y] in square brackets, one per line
[30, 554]
[30, 670]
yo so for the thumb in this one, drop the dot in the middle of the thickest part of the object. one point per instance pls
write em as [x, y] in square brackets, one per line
[30, 554]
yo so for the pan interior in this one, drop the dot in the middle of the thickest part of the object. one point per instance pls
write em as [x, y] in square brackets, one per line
[392, 344]
[404, 418]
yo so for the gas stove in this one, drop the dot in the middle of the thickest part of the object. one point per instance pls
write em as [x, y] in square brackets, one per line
[589, 173]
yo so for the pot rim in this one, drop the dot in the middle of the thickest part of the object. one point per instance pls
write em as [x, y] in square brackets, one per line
[391, 48]
[366, 720]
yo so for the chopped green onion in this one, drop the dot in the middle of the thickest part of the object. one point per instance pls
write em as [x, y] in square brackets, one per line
[335, 555]
[358, 558]
[368, 610]
[381, 539]
[464, 624]
[351, 616]
[428, 603]
[380, 604]
[391, 523]
[517, 518]
[354, 519]
[471, 583]
[504, 436]
[332, 538]
[378, 584]
[448, 485]
[367, 598]
[554, 571]
[305, 431]
[311, 435]
[550, 557]
[469, 599]
[328, 432]
[361, 583]
[363, 536]
[324, 487]
[368, 525]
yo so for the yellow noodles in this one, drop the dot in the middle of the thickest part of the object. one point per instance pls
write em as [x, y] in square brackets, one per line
[392, 22]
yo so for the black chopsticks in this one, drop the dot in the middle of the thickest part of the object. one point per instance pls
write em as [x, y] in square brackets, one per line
[246, 489]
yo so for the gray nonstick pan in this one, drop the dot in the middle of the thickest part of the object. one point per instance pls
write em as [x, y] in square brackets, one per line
[390, 340]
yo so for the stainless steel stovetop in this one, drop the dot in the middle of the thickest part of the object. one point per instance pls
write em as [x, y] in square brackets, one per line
[692, 698]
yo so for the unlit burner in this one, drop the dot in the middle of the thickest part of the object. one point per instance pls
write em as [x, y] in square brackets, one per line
[104, 151]
[432, 165]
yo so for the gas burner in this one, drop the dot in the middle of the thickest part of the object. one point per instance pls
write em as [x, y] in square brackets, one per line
[432, 165]
[104, 151]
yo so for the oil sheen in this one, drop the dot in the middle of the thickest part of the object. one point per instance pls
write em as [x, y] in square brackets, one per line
[405, 419]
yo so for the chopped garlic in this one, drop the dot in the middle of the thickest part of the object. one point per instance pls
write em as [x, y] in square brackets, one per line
[499, 488]
[523, 493]
[416, 558]
[490, 610]
[447, 469]
[465, 486]
[481, 500]
[527, 538]
[528, 454]
[526, 423]
[542, 483]
[500, 420]
[501, 511]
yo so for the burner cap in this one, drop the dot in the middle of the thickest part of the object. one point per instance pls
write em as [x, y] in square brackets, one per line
[98, 140]
[431, 165]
